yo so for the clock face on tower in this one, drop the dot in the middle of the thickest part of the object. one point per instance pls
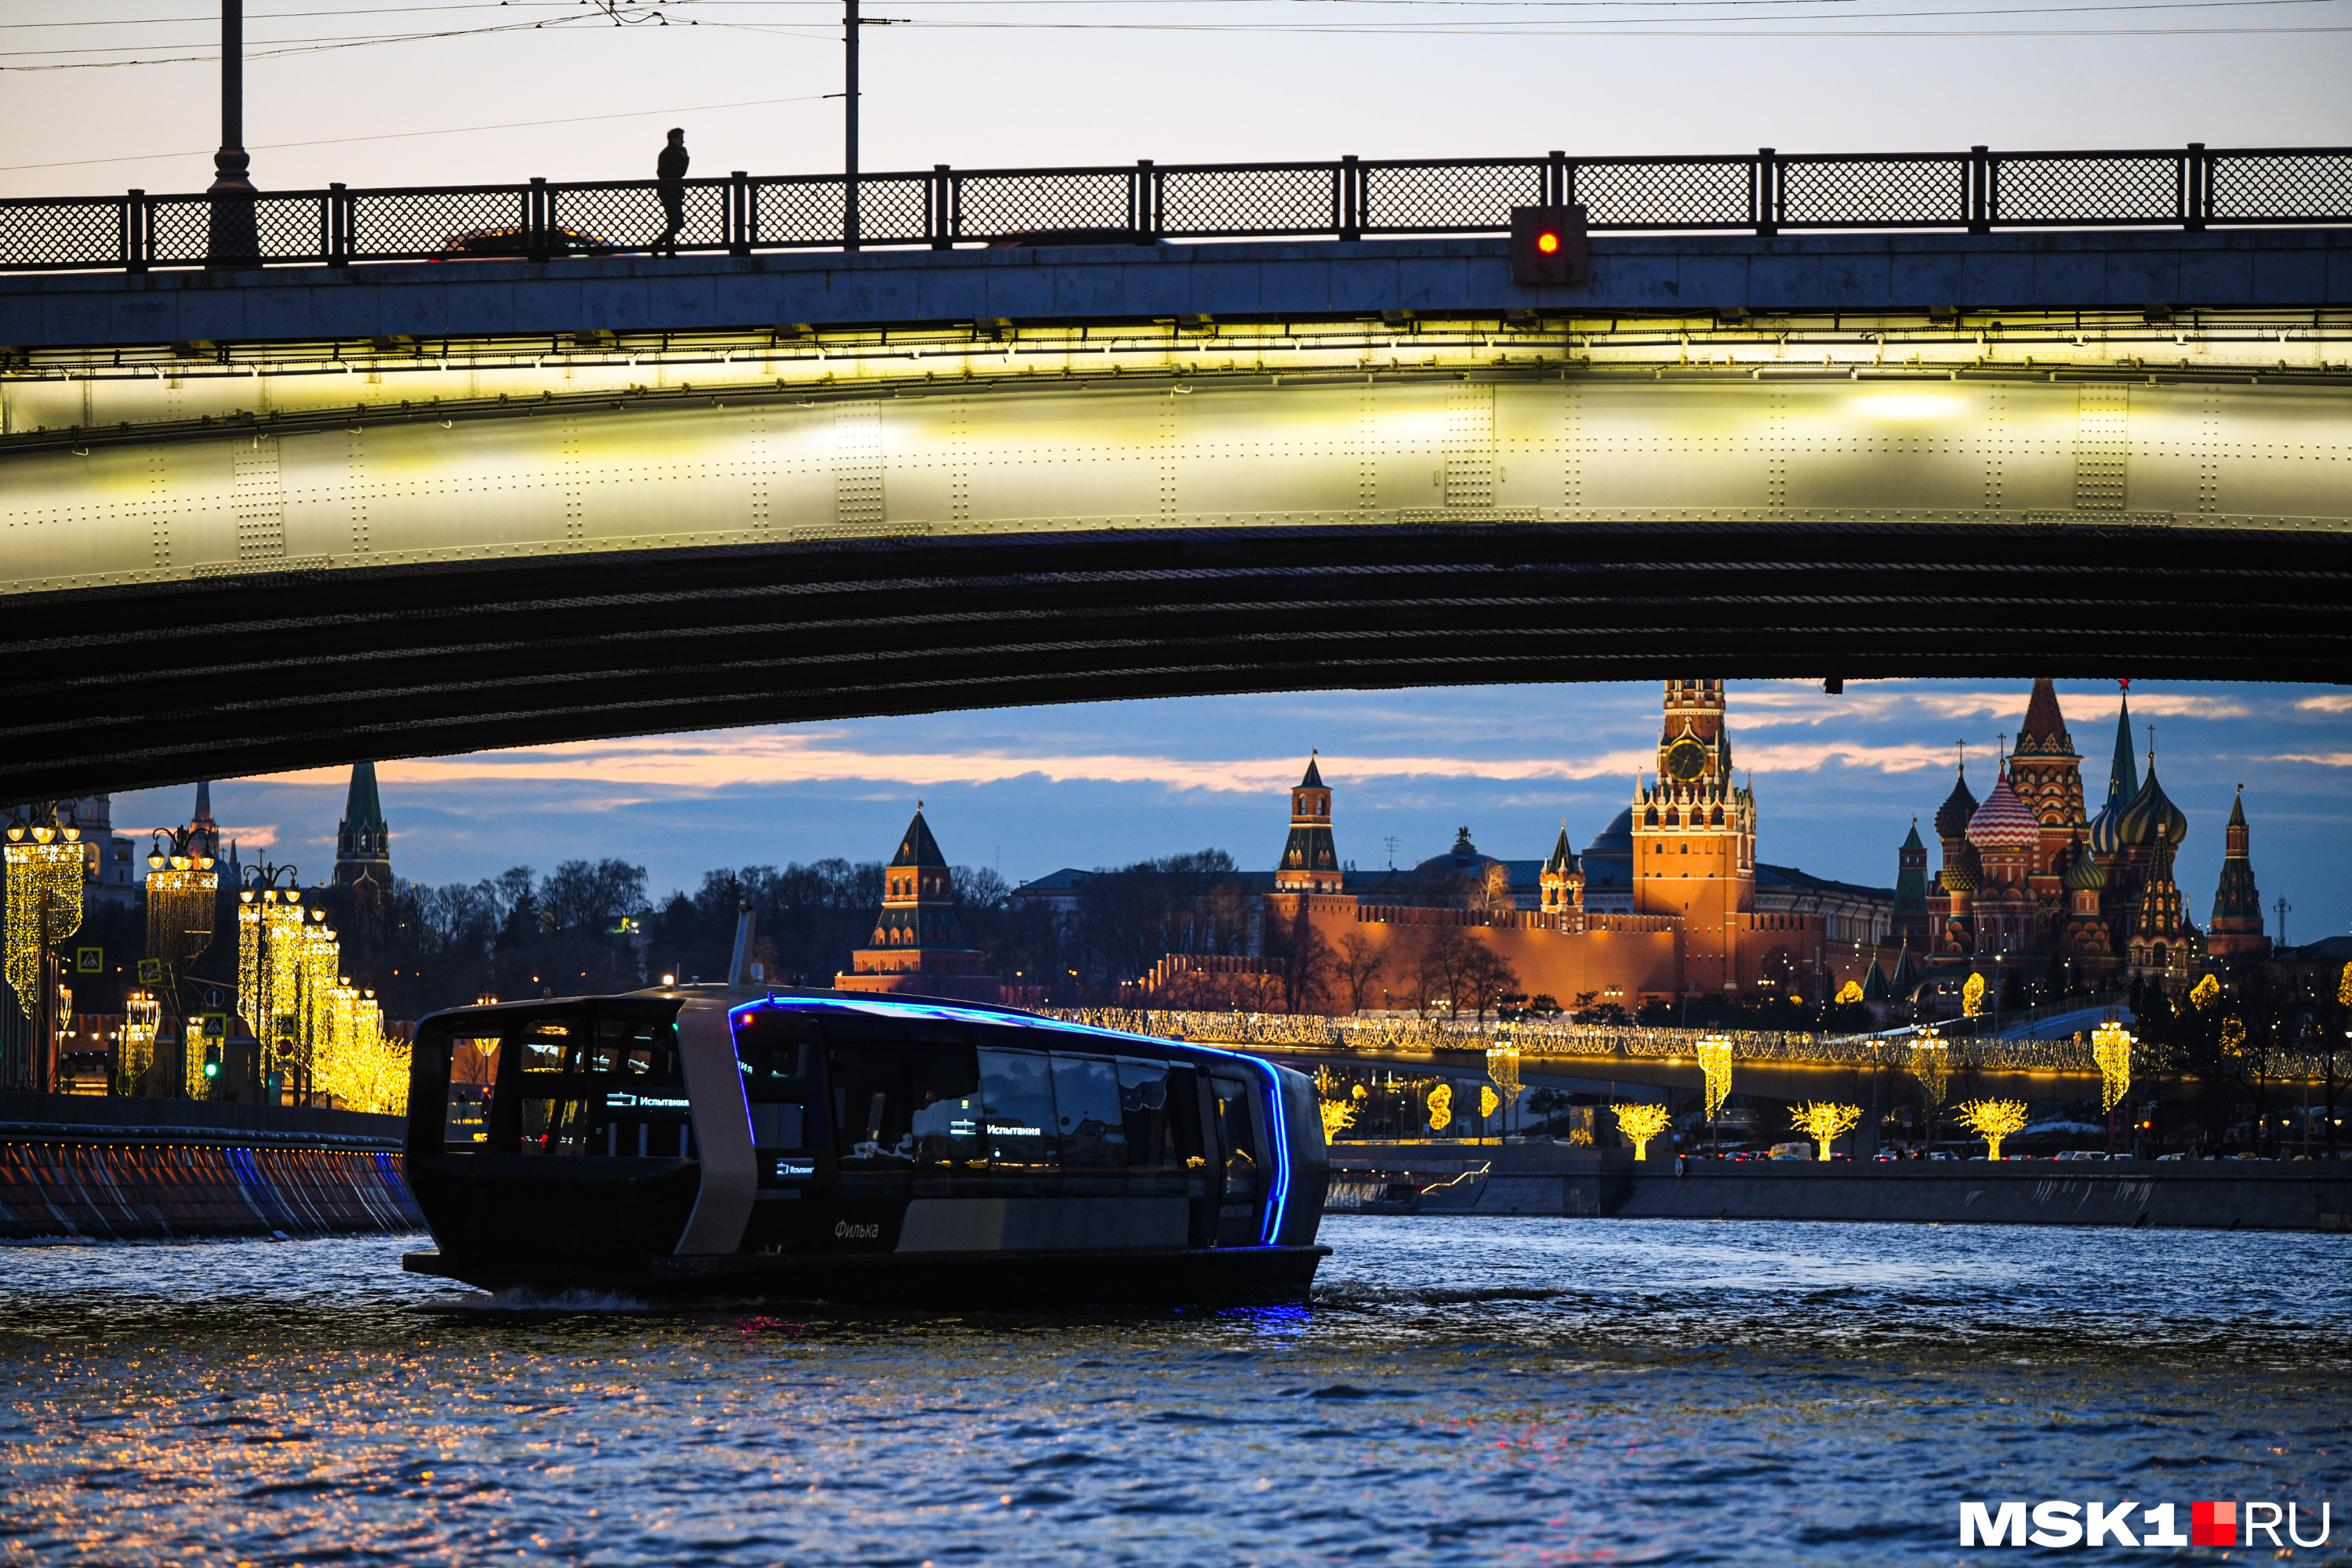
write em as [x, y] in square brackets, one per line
[1686, 760]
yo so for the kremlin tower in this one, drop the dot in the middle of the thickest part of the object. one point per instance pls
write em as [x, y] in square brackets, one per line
[1695, 837]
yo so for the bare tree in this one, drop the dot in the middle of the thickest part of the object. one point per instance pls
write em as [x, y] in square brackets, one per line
[1486, 977]
[1361, 961]
[1301, 958]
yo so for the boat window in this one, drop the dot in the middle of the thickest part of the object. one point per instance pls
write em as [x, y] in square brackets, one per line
[775, 1084]
[1146, 1104]
[1023, 1133]
[946, 1110]
[473, 1074]
[1092, 1125]
[576, 1084]
[1238, 1132]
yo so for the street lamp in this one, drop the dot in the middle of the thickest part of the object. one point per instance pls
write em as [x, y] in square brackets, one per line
[2111, 1048]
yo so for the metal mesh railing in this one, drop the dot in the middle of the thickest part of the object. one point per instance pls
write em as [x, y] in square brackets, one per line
[1347, 198]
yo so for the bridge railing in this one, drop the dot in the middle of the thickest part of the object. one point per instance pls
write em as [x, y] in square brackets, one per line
[1766, 192]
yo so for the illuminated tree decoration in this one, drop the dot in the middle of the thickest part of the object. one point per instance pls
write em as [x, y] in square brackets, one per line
[1850, 994]
[2344, 988]
[1488, 1101]
[1337, 1115]
[2233, 1036]
[1440, 1108]
[1715, 1061]
[1825, 1123]
[1992, 1121]
[1972, 996]
[45, 876]
[2111, 1048]
[1639, 1124]
[2205, 993]
[1931, 1064]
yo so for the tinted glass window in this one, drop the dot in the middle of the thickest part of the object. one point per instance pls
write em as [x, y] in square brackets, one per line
[1146, 1104]
[775, 1083]
[1022, 1130]
[1238, 1133]
[472, 1073]
[1087, 1103]
[945, 1121]
[869, 1106]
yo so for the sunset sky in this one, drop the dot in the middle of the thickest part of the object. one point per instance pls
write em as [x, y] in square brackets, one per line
[1838, 780]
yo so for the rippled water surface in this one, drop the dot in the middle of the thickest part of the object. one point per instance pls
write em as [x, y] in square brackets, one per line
[1461, 1391]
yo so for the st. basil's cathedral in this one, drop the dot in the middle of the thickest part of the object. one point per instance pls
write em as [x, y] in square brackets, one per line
[2029, 873]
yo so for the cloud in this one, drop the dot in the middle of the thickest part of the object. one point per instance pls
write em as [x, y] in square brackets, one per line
[660, 766]
[2327, 703]
[2317, 759]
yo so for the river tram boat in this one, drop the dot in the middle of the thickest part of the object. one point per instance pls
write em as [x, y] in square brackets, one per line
[743, 1143]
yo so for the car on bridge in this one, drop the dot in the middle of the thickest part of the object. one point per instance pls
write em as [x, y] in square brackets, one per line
[512, 243]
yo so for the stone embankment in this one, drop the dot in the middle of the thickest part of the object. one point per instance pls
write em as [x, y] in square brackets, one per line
[121, 1169]
[1556, 1179]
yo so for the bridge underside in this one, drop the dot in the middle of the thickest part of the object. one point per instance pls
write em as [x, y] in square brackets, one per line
[294, 555]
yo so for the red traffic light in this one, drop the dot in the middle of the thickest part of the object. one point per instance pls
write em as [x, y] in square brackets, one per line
[1548, 247]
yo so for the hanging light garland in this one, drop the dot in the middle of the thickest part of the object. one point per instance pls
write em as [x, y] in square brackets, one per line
[45, 878]
[1715, 1061]
[2111, 1048]
[181, 888]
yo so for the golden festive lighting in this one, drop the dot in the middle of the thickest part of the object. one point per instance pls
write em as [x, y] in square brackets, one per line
[1440, 1108]
[182, 892]
[1641, 1123]
[1337, 1115]
[44, 877]
[1715, 1061]
[1992, 1121]
[1488, 1101]
[1502, 1066]
[1825, 1123]
[2111, 1048]
[142, 1019]
[2233, 1036]
[1972, 996]
[2344, 988]
[2205, 993]
[1930, 1062]
[1850, 994]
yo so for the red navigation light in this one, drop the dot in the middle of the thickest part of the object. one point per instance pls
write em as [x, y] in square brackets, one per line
[1547, 246]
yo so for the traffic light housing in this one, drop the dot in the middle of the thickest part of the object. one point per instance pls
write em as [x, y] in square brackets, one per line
[212, 1063]
[1548, 246]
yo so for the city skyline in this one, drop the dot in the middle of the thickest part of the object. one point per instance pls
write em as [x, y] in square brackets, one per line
[1028, 790]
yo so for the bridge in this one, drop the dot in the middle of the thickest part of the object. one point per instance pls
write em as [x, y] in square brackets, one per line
[1995, 413]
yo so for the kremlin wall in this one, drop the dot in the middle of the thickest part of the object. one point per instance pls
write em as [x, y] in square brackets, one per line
[1670, 902]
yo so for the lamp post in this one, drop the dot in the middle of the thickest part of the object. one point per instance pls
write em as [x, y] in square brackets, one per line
[2111, 1048]
[235, 240]
[181, 890]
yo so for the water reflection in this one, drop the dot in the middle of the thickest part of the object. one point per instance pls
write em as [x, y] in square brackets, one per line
[1532, 1391]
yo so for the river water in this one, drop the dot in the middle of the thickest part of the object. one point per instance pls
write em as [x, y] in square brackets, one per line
[1462, 1390]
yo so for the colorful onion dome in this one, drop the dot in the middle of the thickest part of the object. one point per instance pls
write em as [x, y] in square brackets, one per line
[2148, 809]
[2108, 827]
[2003, 821]
[1963, 873]
[2084, 874]
[1952, 816]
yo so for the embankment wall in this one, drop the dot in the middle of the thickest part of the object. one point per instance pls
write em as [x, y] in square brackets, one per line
[2313, 1195]
[121, 1169]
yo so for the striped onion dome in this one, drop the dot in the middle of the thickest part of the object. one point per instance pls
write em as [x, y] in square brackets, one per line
[2108, 827]
[2003, 821]
[2149, 808]
[2084, 876]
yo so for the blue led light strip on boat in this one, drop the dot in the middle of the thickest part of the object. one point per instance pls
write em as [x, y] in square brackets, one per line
[1276, 1123]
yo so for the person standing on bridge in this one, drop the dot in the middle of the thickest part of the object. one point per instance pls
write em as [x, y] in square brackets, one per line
[669, 176]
